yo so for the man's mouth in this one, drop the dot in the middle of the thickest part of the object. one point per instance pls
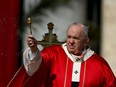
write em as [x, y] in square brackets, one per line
[71, 47]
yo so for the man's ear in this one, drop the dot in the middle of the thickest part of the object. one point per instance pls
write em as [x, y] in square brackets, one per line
[86, 41]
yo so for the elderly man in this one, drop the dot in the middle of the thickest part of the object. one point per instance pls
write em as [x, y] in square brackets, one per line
[72, 64]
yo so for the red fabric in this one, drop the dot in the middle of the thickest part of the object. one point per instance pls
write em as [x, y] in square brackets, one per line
[9, 16]
[19, 78]
[52, 71]
[98, 73]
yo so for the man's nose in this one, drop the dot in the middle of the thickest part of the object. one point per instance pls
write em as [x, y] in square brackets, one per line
[71, 40]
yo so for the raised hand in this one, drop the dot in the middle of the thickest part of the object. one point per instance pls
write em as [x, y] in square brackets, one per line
[32, 43]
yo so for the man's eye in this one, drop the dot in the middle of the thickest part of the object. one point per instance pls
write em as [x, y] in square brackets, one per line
[68, 36]
[77, 38]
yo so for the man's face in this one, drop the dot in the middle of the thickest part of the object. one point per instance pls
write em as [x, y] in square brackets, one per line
[75, 40]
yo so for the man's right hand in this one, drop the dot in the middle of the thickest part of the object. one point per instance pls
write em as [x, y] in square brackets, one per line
[32, 43]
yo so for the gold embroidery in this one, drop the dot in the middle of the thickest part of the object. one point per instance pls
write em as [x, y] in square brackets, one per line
[65, 78]
[14, 76]
[25, 82]
[84, 74]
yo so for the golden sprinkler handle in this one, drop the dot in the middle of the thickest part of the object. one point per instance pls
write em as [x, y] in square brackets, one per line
[29, 21]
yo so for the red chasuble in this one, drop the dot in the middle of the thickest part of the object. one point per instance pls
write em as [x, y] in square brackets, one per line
[56, 71]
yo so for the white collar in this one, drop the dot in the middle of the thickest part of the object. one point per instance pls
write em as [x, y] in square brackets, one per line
[86, 54]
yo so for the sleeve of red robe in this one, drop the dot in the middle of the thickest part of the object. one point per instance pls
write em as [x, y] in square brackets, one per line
[19, 78]
[41, 78]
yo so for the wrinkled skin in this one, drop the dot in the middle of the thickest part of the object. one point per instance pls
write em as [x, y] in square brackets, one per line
[76, 39]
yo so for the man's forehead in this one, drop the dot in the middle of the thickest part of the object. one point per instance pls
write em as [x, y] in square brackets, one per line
[73, 33]
[74, 30]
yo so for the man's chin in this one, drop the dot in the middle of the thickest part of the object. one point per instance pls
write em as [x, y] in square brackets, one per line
[71, 51]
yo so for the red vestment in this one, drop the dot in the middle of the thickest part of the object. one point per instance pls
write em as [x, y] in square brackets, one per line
[54, 71]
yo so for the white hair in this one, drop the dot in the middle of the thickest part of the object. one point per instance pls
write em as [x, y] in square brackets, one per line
[85, 28]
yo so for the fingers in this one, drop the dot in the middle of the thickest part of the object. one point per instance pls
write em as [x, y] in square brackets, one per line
[31, 41]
